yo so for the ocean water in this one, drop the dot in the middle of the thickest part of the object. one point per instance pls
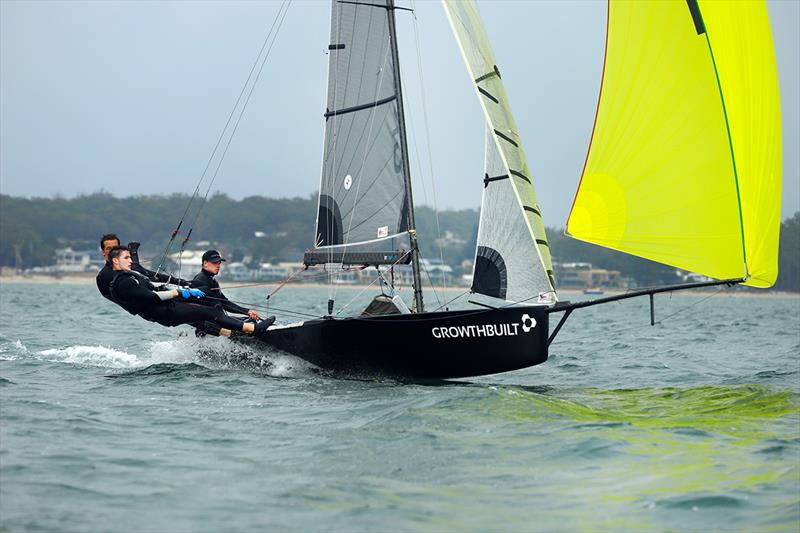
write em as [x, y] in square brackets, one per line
[111, 423]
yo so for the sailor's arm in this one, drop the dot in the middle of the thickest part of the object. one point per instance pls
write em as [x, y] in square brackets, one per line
[133, 248]
[230, 306]
[160, 277]
[130, 290]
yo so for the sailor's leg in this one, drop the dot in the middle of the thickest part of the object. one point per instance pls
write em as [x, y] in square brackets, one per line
[191, 313]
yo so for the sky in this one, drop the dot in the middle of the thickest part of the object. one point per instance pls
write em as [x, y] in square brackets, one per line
[131, 97]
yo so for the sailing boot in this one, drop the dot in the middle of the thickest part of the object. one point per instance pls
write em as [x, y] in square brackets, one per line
[262, 326]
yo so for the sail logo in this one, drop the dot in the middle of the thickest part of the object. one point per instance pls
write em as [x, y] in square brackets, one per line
[485, 330]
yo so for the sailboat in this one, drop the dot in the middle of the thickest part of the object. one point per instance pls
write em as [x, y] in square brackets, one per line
[683, 168]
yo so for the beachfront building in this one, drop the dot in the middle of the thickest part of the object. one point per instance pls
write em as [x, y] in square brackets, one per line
[580, 275]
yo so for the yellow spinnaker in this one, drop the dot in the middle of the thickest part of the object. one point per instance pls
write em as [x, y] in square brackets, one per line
[684, 166]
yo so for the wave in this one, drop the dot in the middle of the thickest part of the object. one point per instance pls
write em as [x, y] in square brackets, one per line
[165, 372]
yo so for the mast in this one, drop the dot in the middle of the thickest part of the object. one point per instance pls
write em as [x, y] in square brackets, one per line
[412, 227]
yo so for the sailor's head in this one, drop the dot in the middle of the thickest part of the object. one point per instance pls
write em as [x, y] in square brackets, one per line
[120, 258]
[107, 242]
[212, 262]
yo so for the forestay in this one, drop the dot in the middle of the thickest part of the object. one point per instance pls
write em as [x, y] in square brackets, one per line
[363, 198]
[513, 256]
[684, 166]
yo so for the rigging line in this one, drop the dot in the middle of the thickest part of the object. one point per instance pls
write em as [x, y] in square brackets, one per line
[219, 140]
[368, 149]
[239, 118]
[372, 183]
[368, 218]
[428, 137]
[433, 285]
[377, 174]
[371, 284]
[451, 301]
[256, 306]
[331, 289]
[284, 282]
[681, 310]
[358, 185]
[327, 178]
[360, 79]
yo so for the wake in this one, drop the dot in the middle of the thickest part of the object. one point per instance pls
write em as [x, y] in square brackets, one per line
[215, 353]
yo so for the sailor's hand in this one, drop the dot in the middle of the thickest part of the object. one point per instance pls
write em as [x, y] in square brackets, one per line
[133, 247]
[252, 314]
[189, 293]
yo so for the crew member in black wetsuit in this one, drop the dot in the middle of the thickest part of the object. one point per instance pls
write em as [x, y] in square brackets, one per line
[134, 293]
[212, 262]
[106, 274]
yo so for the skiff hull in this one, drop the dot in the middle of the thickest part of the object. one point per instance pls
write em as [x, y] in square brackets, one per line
[445, 344]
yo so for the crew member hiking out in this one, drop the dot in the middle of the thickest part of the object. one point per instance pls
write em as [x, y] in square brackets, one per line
[133, 292]
[106, 274]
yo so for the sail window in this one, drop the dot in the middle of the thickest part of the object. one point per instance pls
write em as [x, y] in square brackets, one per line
[329, 222]
[490, 273]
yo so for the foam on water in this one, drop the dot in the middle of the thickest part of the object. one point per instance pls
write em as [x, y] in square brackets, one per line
[213, 352]
[90, 356]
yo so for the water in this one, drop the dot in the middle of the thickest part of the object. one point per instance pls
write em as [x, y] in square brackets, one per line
[110, 423]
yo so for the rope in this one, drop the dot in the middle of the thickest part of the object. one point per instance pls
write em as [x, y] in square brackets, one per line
[367, 150]
[428, 140]
[444, 305]
[370, 285]
[239, 118]
[254, 305]
[222, 135]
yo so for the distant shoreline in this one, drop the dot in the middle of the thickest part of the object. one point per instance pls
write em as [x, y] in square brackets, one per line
[89, 279]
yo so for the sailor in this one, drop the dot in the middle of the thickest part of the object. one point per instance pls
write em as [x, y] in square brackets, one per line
[106, 274]
[133, 292]
[212, 263]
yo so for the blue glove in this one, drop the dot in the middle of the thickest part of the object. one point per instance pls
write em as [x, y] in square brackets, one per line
[188, 293]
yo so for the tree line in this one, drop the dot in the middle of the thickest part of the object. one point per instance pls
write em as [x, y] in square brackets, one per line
[273, 229]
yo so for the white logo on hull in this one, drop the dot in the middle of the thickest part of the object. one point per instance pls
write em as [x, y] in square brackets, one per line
[485, 330]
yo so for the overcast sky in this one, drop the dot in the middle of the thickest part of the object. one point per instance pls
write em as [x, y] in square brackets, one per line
[130, 97]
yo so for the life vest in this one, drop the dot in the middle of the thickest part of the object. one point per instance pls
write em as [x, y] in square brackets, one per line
[139, 279]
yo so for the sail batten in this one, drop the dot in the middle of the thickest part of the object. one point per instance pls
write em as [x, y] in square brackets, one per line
[683, 165]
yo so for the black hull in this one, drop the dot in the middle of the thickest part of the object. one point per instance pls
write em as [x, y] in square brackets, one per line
[446, 344]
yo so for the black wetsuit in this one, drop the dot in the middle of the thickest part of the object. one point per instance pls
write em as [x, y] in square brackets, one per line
[106, 274]
[205, 282]
[134, 293]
